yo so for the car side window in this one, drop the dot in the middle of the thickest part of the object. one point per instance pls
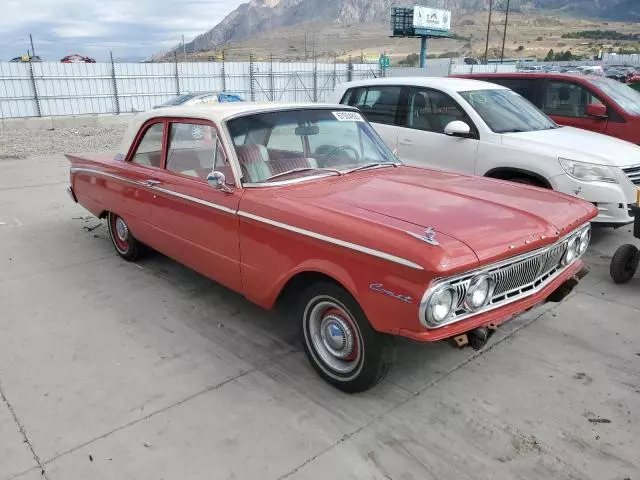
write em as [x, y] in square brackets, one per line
[527, 87]
[566, 99]
[379, 104]
[432, 110]
[194, 150]
[149, 151]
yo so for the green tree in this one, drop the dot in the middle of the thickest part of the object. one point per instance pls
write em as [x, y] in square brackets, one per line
[550, 56]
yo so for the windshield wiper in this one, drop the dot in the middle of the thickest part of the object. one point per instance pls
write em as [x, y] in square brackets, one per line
[302, 169]
[371, 165]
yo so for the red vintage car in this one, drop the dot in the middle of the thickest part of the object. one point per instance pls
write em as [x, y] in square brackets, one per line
[305, 203]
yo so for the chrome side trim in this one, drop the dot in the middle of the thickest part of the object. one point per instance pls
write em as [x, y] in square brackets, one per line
[155, 188]
[334, 241]
[195, 200]
[288, 182]
[291, 228]
[105, 174]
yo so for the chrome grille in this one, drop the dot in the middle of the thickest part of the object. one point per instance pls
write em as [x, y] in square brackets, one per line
[633, 173]
[516, 278]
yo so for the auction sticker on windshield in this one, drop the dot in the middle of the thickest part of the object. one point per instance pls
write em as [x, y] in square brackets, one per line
[348, 116]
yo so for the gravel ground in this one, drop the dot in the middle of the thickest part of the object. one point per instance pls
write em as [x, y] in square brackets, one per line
[22, 143]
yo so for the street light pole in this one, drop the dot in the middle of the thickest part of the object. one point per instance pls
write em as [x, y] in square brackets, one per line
[504, 35]
[486, 47]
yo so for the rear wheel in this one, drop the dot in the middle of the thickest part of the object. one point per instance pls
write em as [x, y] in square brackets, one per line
[624, 263]
[339, 340]
[123, 241]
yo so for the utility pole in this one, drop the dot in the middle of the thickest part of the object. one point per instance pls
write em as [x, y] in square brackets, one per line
[184, 49]
[486, 46]
[305, 45]
[504, 36]
[33, 52]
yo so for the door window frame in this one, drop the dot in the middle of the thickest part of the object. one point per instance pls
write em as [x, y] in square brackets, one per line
[137, 140]
[612, 114]
[402, 100]
[165, 144]
[467, 118]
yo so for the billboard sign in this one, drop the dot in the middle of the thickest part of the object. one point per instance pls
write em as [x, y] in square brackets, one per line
[431, 19]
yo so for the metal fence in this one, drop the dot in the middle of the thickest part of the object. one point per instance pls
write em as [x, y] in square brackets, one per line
[53, 89]
[50, 89]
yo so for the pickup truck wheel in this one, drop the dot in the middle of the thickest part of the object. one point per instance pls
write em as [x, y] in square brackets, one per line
[624, 263]
[123, 241]
[339, 340]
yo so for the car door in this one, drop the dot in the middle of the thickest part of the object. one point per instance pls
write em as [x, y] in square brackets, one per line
[197, 223]
[421, 138]
[380, 104]
[134, 196]
[566, 102]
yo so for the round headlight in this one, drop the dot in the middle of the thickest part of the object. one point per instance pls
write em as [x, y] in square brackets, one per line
[441, 305]
[585, 238]
[572, 250]
[479, 292]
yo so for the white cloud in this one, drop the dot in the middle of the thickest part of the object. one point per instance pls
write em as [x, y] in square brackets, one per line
[145, 26]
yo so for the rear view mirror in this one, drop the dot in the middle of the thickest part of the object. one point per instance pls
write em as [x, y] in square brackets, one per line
[596, 110]
[457, 128]
[307, 131]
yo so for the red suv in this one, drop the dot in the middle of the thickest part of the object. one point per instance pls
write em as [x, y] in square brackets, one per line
[593, 103]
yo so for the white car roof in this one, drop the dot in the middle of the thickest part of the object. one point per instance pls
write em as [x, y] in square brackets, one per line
[446, 84]
[215, 112]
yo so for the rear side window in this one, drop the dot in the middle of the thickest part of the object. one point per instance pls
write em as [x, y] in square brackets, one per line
[379, 104]
[149, 151]
[527, 87]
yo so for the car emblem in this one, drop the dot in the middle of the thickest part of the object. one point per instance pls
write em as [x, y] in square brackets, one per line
[429, 236]
[378, 287]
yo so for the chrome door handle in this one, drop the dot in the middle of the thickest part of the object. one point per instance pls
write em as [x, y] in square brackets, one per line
[406, 142]
[152, 183]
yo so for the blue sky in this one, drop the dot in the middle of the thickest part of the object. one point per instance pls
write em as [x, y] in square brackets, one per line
[131, 28]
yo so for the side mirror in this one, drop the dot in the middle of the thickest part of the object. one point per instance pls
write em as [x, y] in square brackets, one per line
[596, 110]
[218, 181]
[457, 129]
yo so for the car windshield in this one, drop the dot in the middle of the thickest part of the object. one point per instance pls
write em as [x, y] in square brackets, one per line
[177, 100]
[626, 97]
[505, 111]
[291, 144]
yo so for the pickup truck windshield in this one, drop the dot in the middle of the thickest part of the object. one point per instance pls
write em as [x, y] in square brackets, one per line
[280, 146]
[626, 97]
[505, 111]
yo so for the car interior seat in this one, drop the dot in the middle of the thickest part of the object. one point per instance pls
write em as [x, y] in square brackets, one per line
[419, 116]
[253, 160]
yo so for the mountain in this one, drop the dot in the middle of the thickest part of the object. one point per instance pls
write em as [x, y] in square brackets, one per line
[259, 16]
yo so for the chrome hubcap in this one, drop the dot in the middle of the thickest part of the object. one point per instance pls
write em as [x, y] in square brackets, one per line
[121, 229]
[337, 336]
[334, 337]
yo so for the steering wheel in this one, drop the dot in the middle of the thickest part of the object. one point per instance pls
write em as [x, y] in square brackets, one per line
[344, 149]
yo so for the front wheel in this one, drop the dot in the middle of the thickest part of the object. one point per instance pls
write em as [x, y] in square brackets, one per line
[624, 263]
[339, 340]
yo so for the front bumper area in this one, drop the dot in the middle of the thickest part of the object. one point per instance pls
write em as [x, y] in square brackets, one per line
[499, 315]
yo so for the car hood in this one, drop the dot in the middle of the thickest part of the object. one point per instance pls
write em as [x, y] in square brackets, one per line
[491, 217]
[577, 144]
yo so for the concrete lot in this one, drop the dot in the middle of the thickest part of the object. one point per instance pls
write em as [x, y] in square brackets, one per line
[112, 370]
